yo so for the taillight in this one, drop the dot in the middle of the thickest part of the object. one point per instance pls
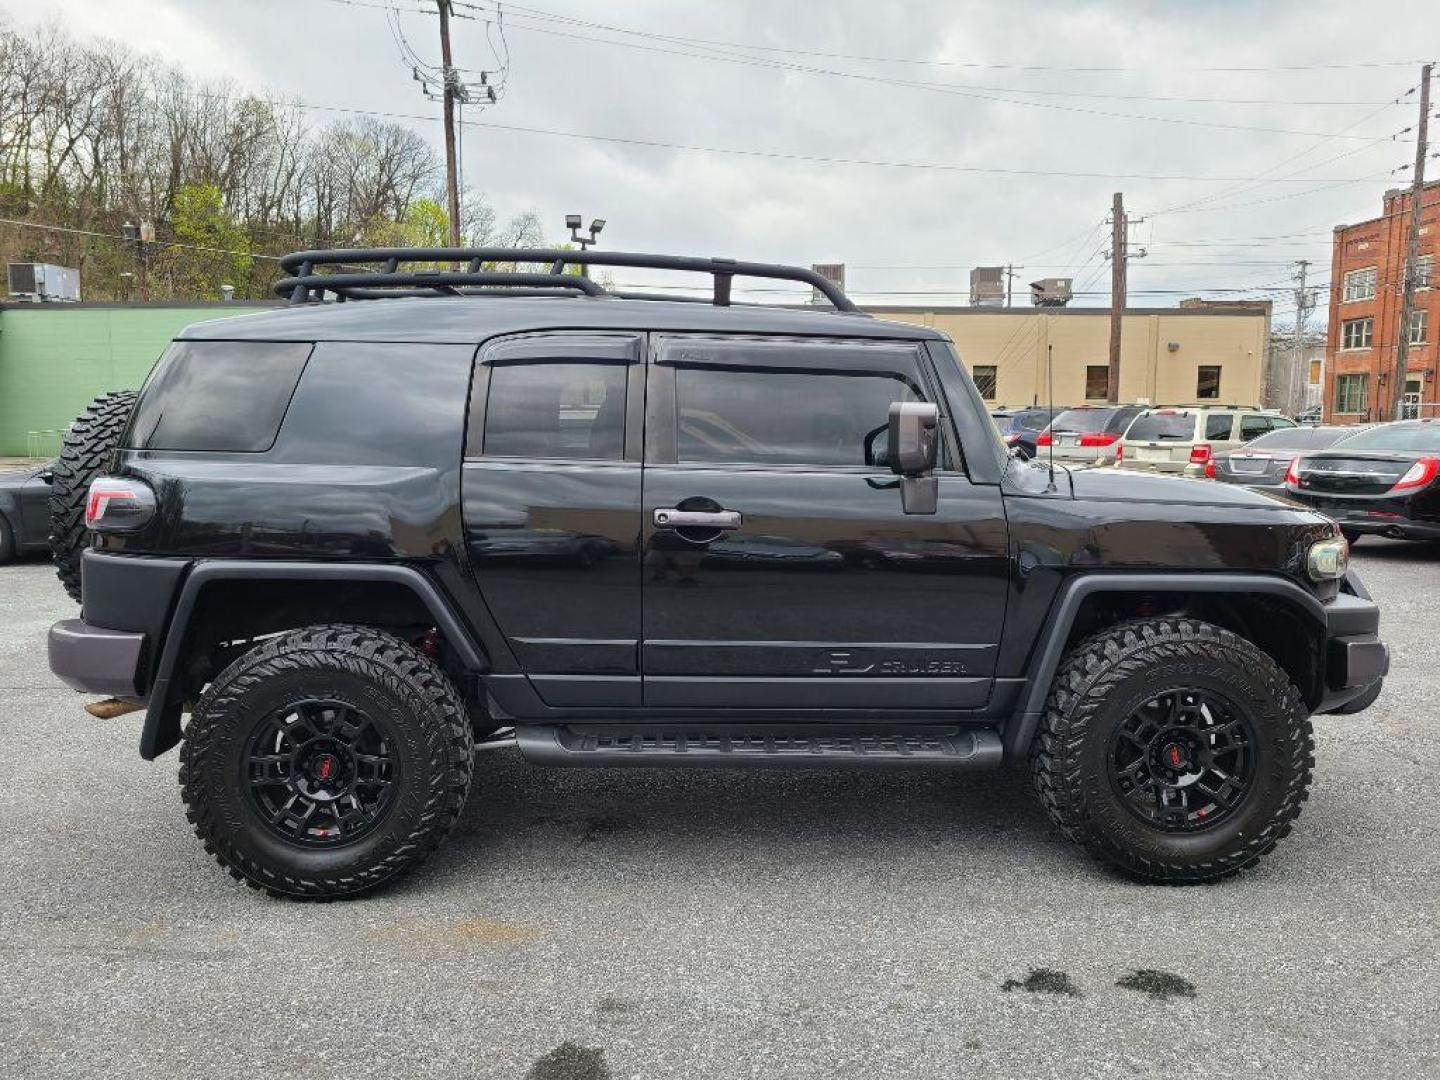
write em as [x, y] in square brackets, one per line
[1418, 475]
[1292, 474]
[1044, 438]
[1119, 451]
[115, 505]
[1200, 453]
[1099, 438]
[1210, 468]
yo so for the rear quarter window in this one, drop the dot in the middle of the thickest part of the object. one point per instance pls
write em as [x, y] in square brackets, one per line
[218, 396]
[1162, 427]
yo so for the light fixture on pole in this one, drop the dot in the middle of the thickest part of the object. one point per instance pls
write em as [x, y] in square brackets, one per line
[572, 222]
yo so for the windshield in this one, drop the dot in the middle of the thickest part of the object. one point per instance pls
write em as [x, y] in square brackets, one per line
[1424, 438]
[1154, 427]
[1299, 438]
[1081, 420]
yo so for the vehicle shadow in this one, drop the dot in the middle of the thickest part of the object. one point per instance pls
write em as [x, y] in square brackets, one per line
[743, 821]
[1378, 547]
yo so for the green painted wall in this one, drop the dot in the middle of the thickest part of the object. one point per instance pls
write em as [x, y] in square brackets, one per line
[54, 359]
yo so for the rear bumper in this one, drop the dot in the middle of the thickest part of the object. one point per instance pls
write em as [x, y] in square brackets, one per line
[96, 659]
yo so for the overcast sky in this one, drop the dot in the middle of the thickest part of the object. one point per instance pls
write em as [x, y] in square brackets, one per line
[825, 80]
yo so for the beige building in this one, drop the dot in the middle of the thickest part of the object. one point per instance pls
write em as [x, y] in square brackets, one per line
[1168, 356]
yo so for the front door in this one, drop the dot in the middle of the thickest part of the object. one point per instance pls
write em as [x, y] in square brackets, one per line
[780, 569]
[551, 504]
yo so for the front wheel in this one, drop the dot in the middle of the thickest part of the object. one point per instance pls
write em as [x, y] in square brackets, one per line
[325, 762]
[1173, 749]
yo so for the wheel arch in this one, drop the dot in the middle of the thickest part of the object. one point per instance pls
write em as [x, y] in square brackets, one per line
[1263, 609]
[259, 599]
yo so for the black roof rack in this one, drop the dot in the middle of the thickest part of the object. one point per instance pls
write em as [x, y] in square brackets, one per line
[355, 275]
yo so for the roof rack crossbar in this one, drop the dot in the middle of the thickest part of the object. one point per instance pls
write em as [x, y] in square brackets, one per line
[308, 281]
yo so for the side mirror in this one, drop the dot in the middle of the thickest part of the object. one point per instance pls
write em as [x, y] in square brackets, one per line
[914, 442]
[914, 437]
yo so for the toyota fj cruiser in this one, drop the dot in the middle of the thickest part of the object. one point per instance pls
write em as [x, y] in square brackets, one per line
[358, 538]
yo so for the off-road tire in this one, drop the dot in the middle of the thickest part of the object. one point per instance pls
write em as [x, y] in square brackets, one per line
[351, 663]
[1102, 680]
[84, 455]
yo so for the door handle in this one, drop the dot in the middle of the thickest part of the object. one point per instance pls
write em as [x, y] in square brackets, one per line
[697, 519]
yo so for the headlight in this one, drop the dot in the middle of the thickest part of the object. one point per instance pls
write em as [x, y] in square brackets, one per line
[1328, 559]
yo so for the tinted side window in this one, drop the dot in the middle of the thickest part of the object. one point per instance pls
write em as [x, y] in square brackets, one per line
[775, 417]
[217, 396]
[1252, 427]
[1219, 425]
[556, 410]
[1121, 420]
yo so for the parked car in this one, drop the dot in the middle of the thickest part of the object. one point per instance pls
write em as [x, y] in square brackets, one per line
[1087, 435]
[1152, 650]
[24, 510]
[1182, 440]
[1021, 427]
[1384, 481]
[1263, 462]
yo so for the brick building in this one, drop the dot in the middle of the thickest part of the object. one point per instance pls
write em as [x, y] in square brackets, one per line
[1366, 278]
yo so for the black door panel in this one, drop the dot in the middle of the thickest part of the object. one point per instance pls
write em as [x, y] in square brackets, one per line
[826, 595]
[551, 501]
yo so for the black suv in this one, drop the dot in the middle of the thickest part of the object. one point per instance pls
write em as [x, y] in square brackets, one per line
[462, 508]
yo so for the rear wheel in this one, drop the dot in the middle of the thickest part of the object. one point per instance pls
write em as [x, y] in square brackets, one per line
[1173, 749]
[84, 455]
[326, 762]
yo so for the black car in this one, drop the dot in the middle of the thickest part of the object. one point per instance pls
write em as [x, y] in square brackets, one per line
[1264, 462]
[770, 537]
[24, 511]
[1380, 482]
[1021, 427]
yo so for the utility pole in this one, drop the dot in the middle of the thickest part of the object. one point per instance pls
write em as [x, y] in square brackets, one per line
[1302, 312]
[1412, 251]
[1010, 269]
[1118, 243]
[452, 186]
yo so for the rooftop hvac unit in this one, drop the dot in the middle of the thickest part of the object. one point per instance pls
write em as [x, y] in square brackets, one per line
[1051, 291]
[38, 283]
[831, 271]
[987, 286]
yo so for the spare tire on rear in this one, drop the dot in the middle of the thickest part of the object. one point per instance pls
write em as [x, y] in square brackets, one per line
[84, 455]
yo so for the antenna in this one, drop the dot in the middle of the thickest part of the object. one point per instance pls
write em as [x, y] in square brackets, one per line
[1050, 394]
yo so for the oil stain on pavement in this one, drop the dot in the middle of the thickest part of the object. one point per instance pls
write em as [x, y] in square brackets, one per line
[1161, 985]
[1044, 981]
[570, 1061]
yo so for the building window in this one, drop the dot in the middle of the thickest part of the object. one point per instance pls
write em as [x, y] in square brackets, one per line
[1097, 382]
[1207, 385]
[1350, 393]
[984, 376]
[1419, 324]
[1360, 284]
[1424, 271]
[1356, 333]
[1314, 372]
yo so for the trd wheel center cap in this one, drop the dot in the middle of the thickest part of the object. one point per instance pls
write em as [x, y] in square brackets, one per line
[1176, 756]
[324, 768]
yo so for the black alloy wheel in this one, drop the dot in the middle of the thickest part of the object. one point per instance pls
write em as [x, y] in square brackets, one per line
[322, 772]
[1184, 760]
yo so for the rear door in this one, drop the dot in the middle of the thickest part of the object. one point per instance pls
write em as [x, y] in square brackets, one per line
[551, 502]
[805, 585]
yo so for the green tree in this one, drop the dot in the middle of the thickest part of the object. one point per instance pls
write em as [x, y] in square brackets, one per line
[215, 251]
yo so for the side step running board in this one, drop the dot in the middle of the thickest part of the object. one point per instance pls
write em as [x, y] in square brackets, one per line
[595, 744]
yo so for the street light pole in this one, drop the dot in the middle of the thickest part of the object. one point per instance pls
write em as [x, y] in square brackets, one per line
[572, 222]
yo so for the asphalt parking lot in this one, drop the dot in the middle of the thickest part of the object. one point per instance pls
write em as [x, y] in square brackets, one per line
[594, 924]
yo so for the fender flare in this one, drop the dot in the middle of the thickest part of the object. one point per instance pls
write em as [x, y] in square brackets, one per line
[1046, 657]
[161, 730]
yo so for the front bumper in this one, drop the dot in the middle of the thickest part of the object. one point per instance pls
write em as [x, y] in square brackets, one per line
[96, 659]
[1355, 657]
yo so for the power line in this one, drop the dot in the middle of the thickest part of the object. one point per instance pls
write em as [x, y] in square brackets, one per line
[942, 88]
[538, 13]
[128, 240]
